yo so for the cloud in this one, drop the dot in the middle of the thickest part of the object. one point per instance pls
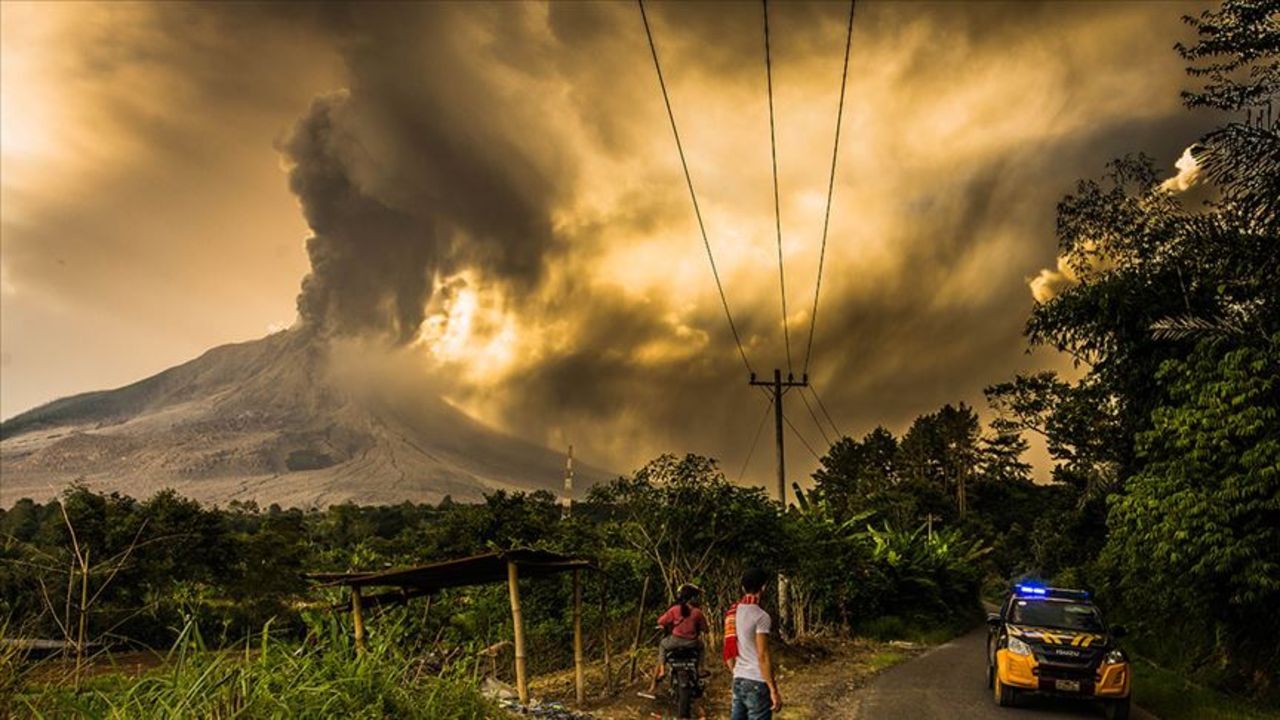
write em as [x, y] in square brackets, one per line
[496, 191]
[539, 247]
[1050, 283]
[1188, 173]
[371, 264]
[6, 287]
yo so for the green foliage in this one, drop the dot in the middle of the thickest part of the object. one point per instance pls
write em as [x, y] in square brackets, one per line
[268, 678]
[675, 520]
[858, 475]
[945, 456]
[922, 576]
[1212, 549]
[1237, 55]
[691, 524]
[848, 573]
[934, 470]
[1079, 424]
[1170, 437]
[831, 561]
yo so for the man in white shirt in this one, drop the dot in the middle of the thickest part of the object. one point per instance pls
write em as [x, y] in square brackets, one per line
[755, 693]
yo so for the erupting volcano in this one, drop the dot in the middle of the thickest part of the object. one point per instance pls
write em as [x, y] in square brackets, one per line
[275, 420]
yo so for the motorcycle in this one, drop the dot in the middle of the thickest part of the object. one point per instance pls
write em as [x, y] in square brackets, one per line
[684, 683]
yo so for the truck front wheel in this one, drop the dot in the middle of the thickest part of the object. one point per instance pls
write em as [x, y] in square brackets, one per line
[1005, 696]
[1118, 709]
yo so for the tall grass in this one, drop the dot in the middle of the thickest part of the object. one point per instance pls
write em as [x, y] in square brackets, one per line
[270, 678]
[12, 660]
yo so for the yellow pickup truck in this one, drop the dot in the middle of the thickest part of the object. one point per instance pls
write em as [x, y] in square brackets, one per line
[1054, 641]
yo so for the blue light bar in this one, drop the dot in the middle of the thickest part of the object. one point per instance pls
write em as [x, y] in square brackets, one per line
[1028, 590]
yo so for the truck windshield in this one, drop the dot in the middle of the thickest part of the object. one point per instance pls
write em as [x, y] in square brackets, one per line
[1064, 615]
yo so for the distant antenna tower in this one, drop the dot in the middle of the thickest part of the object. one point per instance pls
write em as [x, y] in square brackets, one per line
[566, 501]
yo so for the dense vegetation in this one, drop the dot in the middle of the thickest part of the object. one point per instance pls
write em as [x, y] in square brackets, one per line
[167, 561]
[172, 569]
[1174, 427]
[1166, 450]
[1165, 496]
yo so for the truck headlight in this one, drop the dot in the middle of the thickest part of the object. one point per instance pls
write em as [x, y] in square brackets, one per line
[1115, 657]
[1018, 647]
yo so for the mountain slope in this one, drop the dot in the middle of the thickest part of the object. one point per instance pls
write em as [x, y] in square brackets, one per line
[267, 420]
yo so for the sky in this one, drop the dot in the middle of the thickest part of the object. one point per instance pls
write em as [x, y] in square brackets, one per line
[491, 194]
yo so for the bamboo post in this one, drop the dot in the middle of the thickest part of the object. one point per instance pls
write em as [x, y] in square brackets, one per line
[578, 683]
[604, 630]
[84, 611]
[513, 577]
[635, 641]
[357, 617]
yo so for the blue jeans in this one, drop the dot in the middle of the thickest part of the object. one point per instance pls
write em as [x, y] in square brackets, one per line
[751, 700]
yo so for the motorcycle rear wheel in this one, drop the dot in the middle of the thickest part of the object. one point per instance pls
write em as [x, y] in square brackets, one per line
[684, 701]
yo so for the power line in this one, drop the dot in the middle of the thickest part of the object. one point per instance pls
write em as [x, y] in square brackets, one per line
[657, 66]
[831, 185]
[756, 440]
[777, 205]
[823, 406]
[800, 437]
[816, 421]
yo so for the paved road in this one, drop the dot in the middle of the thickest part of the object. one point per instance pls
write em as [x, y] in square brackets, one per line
[950, 682]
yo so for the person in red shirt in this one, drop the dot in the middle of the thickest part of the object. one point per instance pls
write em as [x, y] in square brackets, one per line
[685, 625]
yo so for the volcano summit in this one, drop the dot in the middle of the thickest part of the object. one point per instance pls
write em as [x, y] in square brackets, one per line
[274, 420]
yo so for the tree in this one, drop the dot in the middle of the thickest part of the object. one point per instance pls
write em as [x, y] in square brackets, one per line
[692, 524]
[1198, 532]
[1079, 423]
[821, 539]
[1173, 310]
[1000, 459]
[856, 476]
[1238, 56]
[939, 454]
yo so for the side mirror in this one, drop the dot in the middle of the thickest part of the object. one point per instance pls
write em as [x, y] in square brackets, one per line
[1119, 631]
[994, 619]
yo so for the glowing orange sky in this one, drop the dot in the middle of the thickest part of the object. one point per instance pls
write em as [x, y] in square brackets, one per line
[146, 214]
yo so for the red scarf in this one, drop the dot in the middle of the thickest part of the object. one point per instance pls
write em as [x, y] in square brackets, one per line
[731, 625]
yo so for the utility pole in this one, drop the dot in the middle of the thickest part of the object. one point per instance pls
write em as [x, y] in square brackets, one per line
[779, 387]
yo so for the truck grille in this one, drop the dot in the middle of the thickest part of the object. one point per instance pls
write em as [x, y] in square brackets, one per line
[1048, 671]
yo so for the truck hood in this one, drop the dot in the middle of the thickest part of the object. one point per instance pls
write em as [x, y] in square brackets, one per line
[1056, 644]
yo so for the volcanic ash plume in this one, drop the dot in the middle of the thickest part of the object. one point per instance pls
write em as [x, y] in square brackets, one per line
[407, 178]
[371, 264]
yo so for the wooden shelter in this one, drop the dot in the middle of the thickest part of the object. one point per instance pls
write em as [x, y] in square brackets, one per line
[402, 584]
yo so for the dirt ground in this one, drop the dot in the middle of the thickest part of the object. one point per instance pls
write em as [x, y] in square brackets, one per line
[818, 679]
[131, 664]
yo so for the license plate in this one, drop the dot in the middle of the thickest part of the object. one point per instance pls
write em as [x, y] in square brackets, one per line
[1068, 685]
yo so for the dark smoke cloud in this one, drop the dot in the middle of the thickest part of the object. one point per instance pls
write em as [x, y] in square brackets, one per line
[371, 265]
[421, 168]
